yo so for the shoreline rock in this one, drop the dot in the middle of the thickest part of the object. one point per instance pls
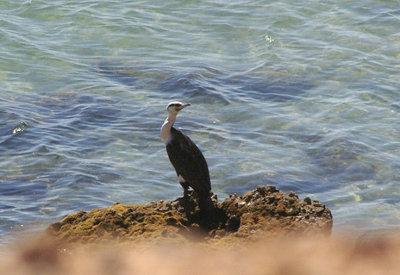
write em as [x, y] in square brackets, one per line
[264, 212]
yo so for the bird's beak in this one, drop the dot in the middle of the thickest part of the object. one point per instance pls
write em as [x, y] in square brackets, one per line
[181, 107]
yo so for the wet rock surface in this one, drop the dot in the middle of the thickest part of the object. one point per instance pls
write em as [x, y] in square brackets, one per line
[263, 212]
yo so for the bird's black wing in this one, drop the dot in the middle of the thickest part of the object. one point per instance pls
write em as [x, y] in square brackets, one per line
[189, 162]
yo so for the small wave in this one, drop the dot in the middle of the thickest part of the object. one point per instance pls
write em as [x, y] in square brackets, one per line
[117, 72]
[194, 86]
[208, 85]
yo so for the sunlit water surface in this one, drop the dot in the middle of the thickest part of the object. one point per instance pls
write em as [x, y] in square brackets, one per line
[302, 95]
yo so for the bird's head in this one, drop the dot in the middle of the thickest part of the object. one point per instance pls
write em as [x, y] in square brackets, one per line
[175, 106]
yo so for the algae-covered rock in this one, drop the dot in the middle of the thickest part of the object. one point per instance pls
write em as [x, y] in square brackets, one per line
[265, 211]
[268, 211]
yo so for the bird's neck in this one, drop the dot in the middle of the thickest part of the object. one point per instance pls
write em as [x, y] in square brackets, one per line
[166, 127]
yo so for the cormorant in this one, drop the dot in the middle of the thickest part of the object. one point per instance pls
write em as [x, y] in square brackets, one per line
[187, 159]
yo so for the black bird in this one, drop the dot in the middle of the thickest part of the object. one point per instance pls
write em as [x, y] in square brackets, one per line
[187, 159]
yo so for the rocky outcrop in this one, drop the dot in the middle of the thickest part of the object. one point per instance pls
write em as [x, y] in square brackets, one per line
[264, 212]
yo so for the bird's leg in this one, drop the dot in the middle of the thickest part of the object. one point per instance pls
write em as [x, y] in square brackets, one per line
[184, 185]
[185, 192]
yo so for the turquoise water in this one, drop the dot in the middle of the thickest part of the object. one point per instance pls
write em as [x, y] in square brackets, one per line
[302, 95]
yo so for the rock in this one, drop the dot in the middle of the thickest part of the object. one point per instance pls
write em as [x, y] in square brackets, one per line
[265, 211]
[307, 200]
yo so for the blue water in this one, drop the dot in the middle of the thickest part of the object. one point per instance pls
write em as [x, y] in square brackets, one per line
[302, 95]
